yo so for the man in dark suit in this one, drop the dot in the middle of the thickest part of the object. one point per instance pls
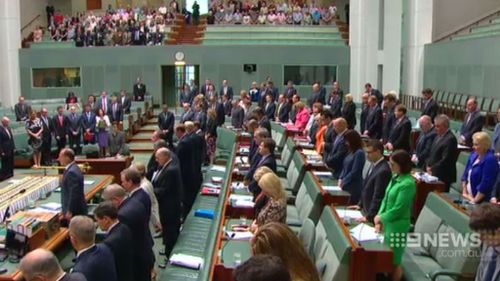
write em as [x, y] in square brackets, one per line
[42, 264]
[74, 130]
[237, 114]
[205, 88]
[188, 114]
[373, 124]
[116, 141]
[290, 91]
[88, 125]
[7, 149]
[283, 109]
[267, 158]
[365, 108]
[200, 116]
[72, 193]
[270, 89]
[125, 102]
[22, 110]
[335, 103]
[430, 107]
[374, 92]
[376, 181]
[336, 151]
[262, 119]
[115, 112]
[219, 110]
[444, 152]
[227, 105]
[424, 141]
[199, 146]
[399, 137]
[186, 95]
[269, 107]
[167, 183]
[187, 163]
[388, 115]
[118, 239]
[166, 120]
[316, 95]
[94, 261]
[139, 90]
[473, 123]
[134, 214]
[103, 102]
[46, 137]
[226, 90]
[60, 123]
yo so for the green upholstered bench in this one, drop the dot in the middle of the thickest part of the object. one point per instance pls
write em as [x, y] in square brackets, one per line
[278, 135]
[441, 261]
[294, 174]
[224, 144]
[286, 157]
[307, 203]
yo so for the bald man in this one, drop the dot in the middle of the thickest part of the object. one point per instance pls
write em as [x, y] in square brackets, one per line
[7, 148]
[72, 192]
[41, 264]
[473, 123]
[424, 141]
[335, 156]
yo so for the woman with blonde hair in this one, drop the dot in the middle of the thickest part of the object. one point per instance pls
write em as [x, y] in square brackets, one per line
[262, 198]
[278, 239]
[349, 112]
[302, 117]
[275, 207]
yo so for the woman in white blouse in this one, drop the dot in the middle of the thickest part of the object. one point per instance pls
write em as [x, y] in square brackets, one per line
[102, 124]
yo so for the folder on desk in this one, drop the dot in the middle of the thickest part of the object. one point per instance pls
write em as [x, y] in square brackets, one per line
[217, 179]
[353, 214]
[321, 174]
[364, 233]
[331, 188]
[239, 235]
[186, 261]
[210, 191]
[204, 213]
[218, 168]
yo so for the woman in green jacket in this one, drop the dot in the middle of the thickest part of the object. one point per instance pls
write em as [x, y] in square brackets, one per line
[395, 212]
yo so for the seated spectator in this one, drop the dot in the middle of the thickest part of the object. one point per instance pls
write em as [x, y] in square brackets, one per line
[262, 268]
[279, 240]
[275, 208]
[38, 34]
[481, 171]
[351, 177]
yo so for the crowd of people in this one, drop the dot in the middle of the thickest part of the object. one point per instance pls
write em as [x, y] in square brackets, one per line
[156, 197]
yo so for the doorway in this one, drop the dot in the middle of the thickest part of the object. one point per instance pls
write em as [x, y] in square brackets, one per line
[173, 79]
[94, 4]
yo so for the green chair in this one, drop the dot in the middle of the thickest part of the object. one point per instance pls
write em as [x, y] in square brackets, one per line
[307, 204]
[286, 157]
[294, 174]
[307, 235]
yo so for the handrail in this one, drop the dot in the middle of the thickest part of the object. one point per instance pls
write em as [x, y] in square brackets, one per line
[495, 12]
[29, 23]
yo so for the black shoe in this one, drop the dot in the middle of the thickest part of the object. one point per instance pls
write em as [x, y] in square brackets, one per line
[157, 235]
[162, 252]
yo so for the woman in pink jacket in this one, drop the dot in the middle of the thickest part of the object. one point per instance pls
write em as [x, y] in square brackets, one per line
[302, 116]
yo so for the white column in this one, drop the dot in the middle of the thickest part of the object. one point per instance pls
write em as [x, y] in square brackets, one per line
[363, 32]
[391, 58]
[10, 28]
[419, 28]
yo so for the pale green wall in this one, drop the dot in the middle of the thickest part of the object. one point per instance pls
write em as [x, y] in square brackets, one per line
[467, 66]
[116, 68]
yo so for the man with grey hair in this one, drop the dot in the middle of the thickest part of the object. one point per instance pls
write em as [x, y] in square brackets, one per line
[42, 265]
[444, 153]
[424, 141]
[94, 261]
[7, 148]
[152, 165]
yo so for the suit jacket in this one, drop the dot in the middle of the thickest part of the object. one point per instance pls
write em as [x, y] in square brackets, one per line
[430, 109]
[96, 263]
[378, 95]
[483, 175]
[268, 161]
[399, 136]
[88, 123]
[227, 107]
[352, 174]
[349, 114]
[139, 91]
[443, 156]
[118, 239]
[126, 104]
[374, 123]
[74, 124]
[264, 123]
[75, 276]
[283, 111]
[117, 115]
[212, 127]
[336, 155]
[316, 97]
[142, 196]
[100, 106]
[290, 92]
[496, 139]
[389, 119]
[335, 106]
[187, 116]
[7, 142]
[72, 192]
[168, 190]
[166, 122]
[60, 130]
[47, 130]
[186, 152]
[201, 117]
[229, 92]
[221, 113]
[186, 97]
[365, 109]
[374, 186]
[22, 111]
[237, 117]
[474, 125]
[116, 143]
[270, 108]
[424, 146]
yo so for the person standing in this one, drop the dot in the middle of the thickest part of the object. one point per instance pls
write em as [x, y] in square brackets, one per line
[88, 125]
[74, 130]
[374, 119]
[472, 124]
[125, 102]
[60, 122]
[6, 150]
[394, 215]
[196, 13]
[22, 110]
[115, 111]
[139, 90]
[34, 128]
[116, 141]
[166, 120]
[365, 109]
[41, 264]
[351, 177]
[46, 137]
[430, 107]
[72, 193]
[103, 124]
[349, 112]
[424, 141]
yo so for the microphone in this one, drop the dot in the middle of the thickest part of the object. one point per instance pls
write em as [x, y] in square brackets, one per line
[7, 210]
[229, 238]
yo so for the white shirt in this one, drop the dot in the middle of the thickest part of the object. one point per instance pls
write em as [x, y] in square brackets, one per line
[61, 277]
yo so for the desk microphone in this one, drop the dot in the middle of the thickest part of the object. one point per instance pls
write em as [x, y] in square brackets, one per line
[7, 210]
[229, 238]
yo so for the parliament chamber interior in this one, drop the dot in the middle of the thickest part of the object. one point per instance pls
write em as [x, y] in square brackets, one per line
[178, 140]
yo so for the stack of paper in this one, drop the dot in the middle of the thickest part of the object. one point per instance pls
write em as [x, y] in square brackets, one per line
[217, 179]
[218, 168]
[52, 206]
[239, 235]
[186, 261]
[238, 185]
[88, 182]
[322, 174]
[363, 232]
[353, 214]
[331, 188]
[209, 184]
[425, 177]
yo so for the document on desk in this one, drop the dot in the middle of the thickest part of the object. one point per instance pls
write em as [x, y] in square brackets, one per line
[331, 188]
[353, 214]
[241, 197]
[218, 168]
[186, 261]
[459, 146]
[239, 235]
[88, 182]
[322, 174]
[363, 233]
[52, 206]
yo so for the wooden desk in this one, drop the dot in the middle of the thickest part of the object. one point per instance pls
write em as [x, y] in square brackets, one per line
[423, 189]
[107, 166]
[336, 198]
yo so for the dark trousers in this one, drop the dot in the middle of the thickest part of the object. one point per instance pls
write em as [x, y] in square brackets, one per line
[170, 225]
[74, 143]
[61, 143]
[168, 137]
[7, 170]
[46, 156]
